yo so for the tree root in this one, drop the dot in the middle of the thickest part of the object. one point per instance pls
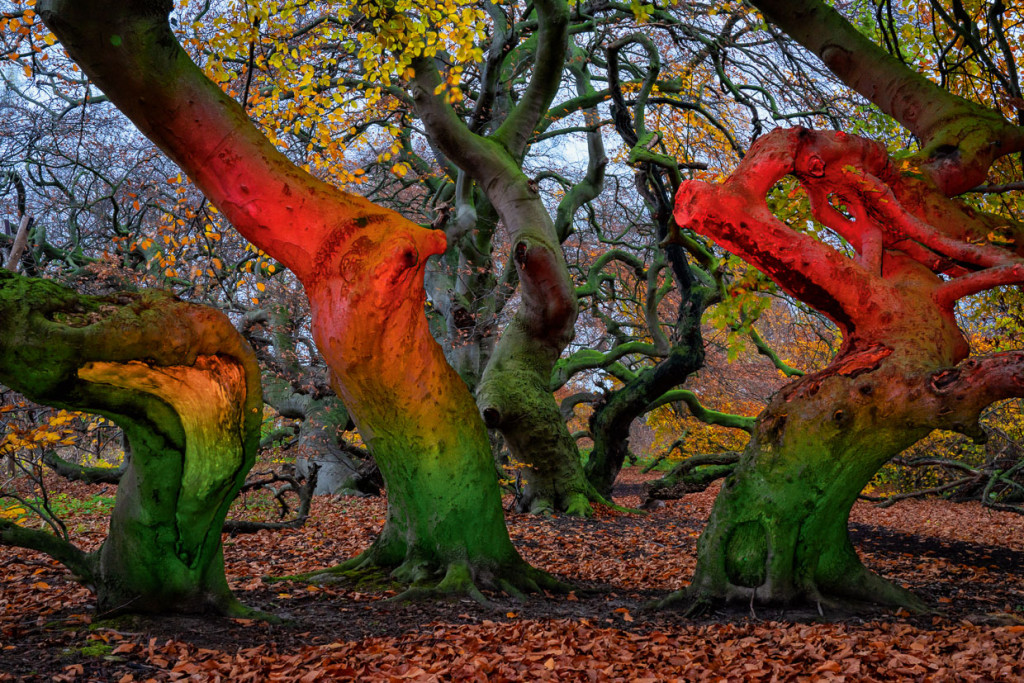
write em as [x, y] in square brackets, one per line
[236, 610]
[596, 497]
[864, 587]
[861, 591]
[691, 605]
[459, 578]
[578, 504]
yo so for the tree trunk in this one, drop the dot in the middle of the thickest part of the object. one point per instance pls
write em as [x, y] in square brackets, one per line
[611, 421]
[323, 418]
[361, 266]
[516, 399]
[421, 424]
[778, 531]
[514, 394]
[184, 386]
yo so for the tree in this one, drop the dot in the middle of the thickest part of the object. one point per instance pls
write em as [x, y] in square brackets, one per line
[514, 394]
[339, 86]
[184, 387]
[778, 530]
[362, 268]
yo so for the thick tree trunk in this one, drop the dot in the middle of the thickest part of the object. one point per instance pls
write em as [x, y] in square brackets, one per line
[361, 266]
[778, 530]
[444, 520]
[515, 391]
[184, 386]
[516, 399]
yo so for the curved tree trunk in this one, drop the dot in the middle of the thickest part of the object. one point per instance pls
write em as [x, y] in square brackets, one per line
[610, 422]
[778, 531]
[362, 267]
[184, 386]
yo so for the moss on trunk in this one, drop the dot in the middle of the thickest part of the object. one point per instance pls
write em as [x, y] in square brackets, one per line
[778, 530]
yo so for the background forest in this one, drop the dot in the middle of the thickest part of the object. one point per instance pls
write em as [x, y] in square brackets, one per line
[605, 334]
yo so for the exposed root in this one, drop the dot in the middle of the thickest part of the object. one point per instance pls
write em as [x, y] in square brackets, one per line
[862, 587]
[860, 591]
[574, 505]
[421, 578]
[237, 610]
[596, 497]
[578, 505]
[457, 582]
[461, 581]
[691, 603]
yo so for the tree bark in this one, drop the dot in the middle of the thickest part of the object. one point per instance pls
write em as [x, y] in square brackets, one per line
[514, 394]
[778, 531]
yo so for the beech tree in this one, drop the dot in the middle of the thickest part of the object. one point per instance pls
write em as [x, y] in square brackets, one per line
[184, 386]
[778, 531]
[362, 268]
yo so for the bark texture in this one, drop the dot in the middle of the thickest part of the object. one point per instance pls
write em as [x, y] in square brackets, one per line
[514, 393]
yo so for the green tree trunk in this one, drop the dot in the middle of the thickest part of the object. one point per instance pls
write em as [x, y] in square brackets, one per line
[778, 531]
[514, 394]
[184, 386]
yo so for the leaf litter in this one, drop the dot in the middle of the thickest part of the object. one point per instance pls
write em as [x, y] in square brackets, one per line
[966, 562]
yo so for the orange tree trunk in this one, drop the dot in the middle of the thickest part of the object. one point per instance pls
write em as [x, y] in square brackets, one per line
[362, 268]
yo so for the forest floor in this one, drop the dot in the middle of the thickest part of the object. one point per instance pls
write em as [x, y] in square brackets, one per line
[965, 561]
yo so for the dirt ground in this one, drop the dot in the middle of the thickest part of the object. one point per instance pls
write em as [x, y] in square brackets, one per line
[966, 562]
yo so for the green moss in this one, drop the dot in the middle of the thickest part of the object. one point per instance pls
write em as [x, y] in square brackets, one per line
[747, 554]
[123, 622]
[93, 649]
